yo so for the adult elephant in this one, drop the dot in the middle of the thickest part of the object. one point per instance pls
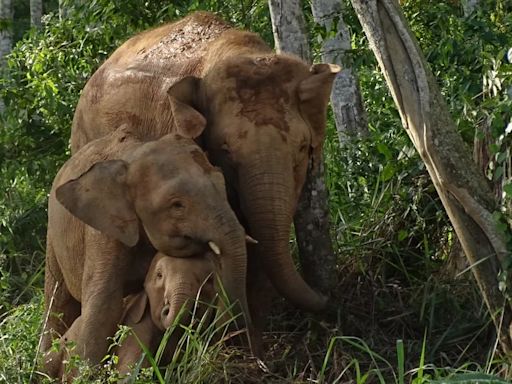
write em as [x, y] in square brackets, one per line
[265, 117]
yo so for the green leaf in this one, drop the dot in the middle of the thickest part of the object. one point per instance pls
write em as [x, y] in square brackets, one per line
[402, 234]
[401, 360]
[498, 173]
[508, 189]
[384, 149]
[387, 172]
[501, 157]
[494, 149]
[472, 378]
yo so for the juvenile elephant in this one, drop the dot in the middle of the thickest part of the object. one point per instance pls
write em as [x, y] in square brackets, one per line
[265, 114]
[171, 283]
[111, 205]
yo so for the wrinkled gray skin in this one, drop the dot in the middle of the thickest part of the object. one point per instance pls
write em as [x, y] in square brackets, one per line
[265, 117]
[170, 284]
[112, 204]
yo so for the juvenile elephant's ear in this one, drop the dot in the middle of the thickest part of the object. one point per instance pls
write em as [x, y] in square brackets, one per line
[99, 198]
[314, 93]
[183, 94]
[135, 307]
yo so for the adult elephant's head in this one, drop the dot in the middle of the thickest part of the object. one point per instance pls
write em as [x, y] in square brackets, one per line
[266, 121]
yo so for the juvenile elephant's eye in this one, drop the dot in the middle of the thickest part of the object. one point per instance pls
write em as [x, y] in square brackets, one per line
[159, 275]
[177, 205]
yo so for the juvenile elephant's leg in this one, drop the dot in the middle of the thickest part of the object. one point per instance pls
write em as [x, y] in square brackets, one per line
[55, 360]
[102, 294]
[61, 309]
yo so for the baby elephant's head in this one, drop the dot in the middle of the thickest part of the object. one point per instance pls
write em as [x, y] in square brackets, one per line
[172, 282]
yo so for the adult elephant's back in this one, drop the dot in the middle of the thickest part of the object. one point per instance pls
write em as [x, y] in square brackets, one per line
[131, 85]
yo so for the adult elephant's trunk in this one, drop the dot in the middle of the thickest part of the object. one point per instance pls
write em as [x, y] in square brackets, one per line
[267, 191]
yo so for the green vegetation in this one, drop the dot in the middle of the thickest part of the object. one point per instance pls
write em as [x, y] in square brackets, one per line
[402, 312]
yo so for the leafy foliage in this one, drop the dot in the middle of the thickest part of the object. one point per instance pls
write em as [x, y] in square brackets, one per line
[41, 86]
[471, 59]
[19, 335]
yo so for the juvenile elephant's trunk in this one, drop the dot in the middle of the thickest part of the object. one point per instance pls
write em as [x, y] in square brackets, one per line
[268, 204]
[233, 264]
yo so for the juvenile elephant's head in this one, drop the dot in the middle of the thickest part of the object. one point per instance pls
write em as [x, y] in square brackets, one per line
[266, 122]
[167, 191]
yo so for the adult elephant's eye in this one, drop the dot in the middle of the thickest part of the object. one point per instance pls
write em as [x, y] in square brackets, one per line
[159, 275]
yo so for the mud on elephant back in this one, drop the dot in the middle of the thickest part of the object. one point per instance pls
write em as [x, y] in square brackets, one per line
[266, 116]
[113, 204]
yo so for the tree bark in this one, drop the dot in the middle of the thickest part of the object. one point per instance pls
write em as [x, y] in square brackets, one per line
[346, 100]
[311, 219]
[462, 188]
[63, 9]
[289, 28]
[5, 36]
[36, 12]
[469, 6]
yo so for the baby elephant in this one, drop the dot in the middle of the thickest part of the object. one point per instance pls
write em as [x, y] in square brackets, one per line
[171, 283]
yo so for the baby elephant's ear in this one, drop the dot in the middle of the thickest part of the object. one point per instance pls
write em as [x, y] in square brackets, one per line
[135, 308]
[99, 198]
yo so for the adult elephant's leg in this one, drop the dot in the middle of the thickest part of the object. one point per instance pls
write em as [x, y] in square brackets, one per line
[102, 294]
[61, 309]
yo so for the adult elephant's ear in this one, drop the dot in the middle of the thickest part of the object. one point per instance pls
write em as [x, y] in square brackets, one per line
[99, 198]
[183, 95]
[314, 92]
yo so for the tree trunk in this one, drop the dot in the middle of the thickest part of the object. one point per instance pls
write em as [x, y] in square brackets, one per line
[469, 6]
[311, 219]
[36, 11]
[346, 98]
[289, 28]
[5, 36]
[63, 9]
[481, 154]
[462, 188]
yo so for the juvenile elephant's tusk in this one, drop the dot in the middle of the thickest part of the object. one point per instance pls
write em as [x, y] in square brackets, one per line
[214, 247]
[249, 239]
